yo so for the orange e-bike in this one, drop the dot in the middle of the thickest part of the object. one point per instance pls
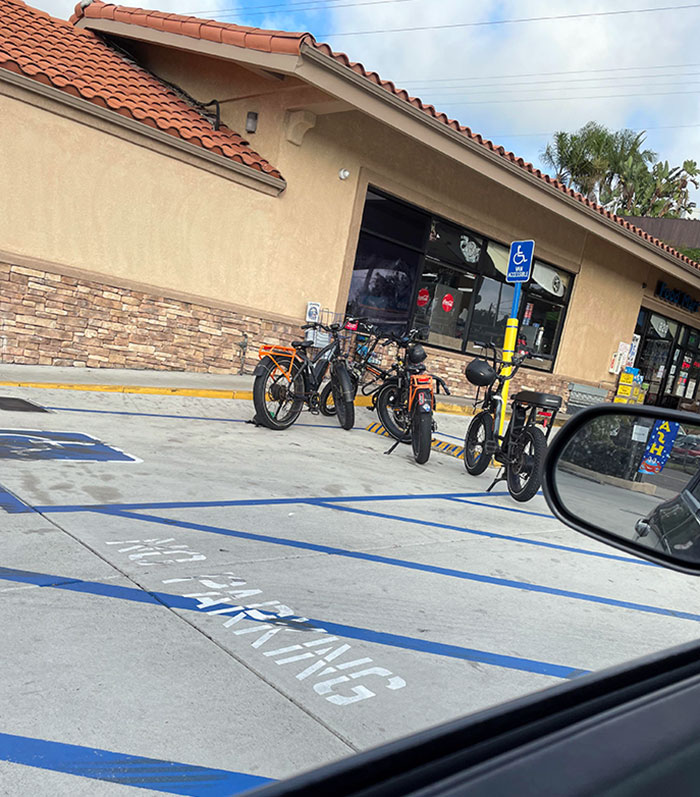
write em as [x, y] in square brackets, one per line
[287, 379]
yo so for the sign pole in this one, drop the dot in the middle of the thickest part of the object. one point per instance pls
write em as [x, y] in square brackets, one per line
[518, 271]
[508, 352]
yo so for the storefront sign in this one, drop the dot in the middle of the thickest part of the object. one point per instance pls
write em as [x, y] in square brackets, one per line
[659, 447]
[677, 297]
[448, 302]
[423, 297]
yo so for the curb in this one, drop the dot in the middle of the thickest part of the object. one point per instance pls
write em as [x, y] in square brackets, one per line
[240, 395]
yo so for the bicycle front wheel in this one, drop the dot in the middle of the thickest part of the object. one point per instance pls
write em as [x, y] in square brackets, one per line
[341, 386]
[421, 435]
[278, 399]
[525, 463]
[480, 431]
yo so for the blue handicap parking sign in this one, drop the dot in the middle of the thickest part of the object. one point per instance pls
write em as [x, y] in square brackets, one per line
[520, 261]
[36, 445]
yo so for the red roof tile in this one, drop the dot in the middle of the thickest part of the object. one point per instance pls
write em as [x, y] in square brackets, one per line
[80, 63]
[286, 43]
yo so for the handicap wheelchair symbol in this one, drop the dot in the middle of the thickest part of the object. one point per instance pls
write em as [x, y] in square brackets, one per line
[37, 445]
[519, 258]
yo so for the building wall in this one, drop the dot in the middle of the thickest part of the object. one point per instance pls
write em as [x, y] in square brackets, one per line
[120, 213]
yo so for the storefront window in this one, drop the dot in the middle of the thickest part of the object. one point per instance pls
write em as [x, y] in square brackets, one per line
[654, 354]
[382, 283]
[414, 270]
[442, 305]
[542, 309]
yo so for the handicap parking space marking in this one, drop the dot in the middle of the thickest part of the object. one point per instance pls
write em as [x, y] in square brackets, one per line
[11, 503]
[503, 508]
[497, 581]
[37, 445]
[126, 769]
[276, 616]
[156, 550]
[341, 507]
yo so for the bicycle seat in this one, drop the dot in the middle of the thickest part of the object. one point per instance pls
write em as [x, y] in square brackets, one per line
[546, 400]
[302, 344]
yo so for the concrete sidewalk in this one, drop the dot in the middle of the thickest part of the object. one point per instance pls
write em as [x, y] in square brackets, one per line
[177, 383]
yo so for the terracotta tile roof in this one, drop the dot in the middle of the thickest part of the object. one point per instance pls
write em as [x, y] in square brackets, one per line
[79, 62]
[283, 42]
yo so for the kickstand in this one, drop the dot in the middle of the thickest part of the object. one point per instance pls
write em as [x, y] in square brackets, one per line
[391, 450]
[499, 478]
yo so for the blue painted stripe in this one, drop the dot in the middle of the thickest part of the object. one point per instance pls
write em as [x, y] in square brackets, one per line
[347, 631]
[491, 534]
[129, 770]
[468, 654]
[11, 503]
[404, 563]
[547, 515]
[256, 502]
[180, 417]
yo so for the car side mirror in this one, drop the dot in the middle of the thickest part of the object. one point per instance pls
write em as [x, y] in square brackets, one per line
[629, 476]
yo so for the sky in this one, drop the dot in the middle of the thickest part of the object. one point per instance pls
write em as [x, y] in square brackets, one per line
[513, 82]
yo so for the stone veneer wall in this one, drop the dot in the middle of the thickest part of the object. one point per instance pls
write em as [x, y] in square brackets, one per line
[53, 319]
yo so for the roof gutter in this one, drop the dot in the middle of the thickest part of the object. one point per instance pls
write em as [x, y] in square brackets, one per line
[314, 55]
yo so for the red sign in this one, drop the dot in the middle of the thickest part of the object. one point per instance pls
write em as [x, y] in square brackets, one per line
[423, 297]
[448, 302]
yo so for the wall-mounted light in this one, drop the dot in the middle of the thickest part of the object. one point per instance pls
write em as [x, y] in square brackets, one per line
[251, 122]
[343, 174]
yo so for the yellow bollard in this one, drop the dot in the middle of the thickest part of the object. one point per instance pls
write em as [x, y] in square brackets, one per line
[508, 351]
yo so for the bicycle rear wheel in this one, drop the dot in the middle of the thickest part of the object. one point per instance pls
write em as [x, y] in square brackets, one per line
[278, 400]
[480, 431]
[526, 461]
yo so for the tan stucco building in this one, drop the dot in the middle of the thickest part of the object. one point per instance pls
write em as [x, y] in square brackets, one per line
[137, 231]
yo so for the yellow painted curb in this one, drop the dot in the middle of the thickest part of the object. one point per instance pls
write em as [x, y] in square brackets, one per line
[245, 395]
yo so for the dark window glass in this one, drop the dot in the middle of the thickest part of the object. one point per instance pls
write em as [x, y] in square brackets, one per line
[395, 220]
[453, 245]
[443, 302]
[641, 318]
[492, 308]
[383, 282]
[539, 327]
[654, 351]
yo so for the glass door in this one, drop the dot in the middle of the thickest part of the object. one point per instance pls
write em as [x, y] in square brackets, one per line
[654, 357]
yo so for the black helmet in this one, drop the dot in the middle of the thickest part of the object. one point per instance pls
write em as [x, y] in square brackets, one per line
[480, 373]
[416, 354]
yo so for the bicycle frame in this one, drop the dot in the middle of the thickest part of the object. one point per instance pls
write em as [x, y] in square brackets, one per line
[313, 370]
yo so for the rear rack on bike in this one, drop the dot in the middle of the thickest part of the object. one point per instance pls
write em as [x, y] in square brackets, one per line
[283, 353]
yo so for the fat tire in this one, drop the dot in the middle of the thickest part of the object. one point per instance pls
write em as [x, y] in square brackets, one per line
[421, 435]
[386, 414]
[262, 413]
[345, 410]
[525, 492]
[326, 396]
[476, 465]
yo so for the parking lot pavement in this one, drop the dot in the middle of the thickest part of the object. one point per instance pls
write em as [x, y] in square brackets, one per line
[193, 605]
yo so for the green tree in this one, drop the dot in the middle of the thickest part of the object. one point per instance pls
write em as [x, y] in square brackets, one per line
[614, 169]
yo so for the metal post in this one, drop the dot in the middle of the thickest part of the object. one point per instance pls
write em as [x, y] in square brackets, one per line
[509, 343]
